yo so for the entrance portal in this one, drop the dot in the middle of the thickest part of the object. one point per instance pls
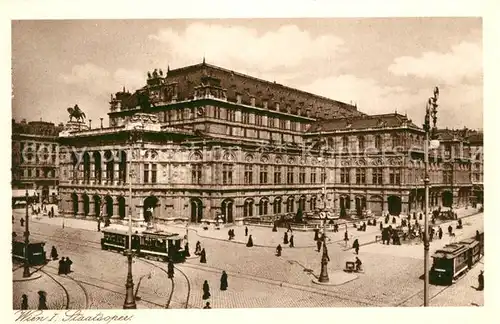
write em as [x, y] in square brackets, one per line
[149, 208]
[447, 198]
[227, 210]
[394, 205]
[196, 210]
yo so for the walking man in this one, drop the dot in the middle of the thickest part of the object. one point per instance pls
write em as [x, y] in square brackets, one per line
[355, 245]
[53, 253]
[62, 262]
[24, 302]
[480, 279]
[223, 281]
[170, 270]
[291, 241]
[318, 244]
[278, 250]
[246, 231]
[206, 290]
[203, 256]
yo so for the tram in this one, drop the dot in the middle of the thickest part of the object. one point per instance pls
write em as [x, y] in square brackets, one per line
[158, 245]
[454, 260]
[36, 252]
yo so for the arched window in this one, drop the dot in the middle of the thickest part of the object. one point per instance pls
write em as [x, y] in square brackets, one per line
[290, 205]
[248, 208]
[277, 205]
[264, 202]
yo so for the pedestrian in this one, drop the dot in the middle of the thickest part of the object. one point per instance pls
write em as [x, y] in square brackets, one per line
[394, 219]
[358, 264]
[346, 236]
[99, 224]
[420, 216]
[197, 249]
[480, 279]
[22, 222]
[274, 227]
[291, 241]
[364, 227]
[450, 230]
[381, 226]
[186, 250]
[203, 256]
[62, 262]
[223, 281]
[229, 234]
[250, 241]
[68, 264]
[24, 302]
[316, 231]
[478, 236]
[170, 269]
[52, 211]
[440, 232]
[336, 228]
[206, 290]
[207, 306]
[53, 253]
[355, 245]
[246, 231]
[278, 249]
[285, 238]
[318, 244]
[42, 300]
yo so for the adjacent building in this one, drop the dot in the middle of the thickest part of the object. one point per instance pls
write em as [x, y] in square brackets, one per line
[34, 160]
[201, 142]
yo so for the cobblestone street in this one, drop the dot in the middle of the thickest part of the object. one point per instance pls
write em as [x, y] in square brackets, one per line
[257, 278]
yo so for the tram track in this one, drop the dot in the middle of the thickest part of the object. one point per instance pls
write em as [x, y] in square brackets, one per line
[167, 305]
[60, 284]
[186, 305]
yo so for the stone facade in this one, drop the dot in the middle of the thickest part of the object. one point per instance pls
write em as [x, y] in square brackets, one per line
[203, 142]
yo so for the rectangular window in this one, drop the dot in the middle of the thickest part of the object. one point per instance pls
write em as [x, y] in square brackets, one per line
[293, 126]
[277, 175]
[248, 174]
[289, 175]
[344, 175]
[146, 173]
[302, 175]
[258, 120]
[282, 124]
[323, 175]
[227, 174]
[37, 172]
[394, 177]
[377, 176]
[153, 173]
[231, 115]
[217, 112]
[270, 122]
[360, 176]
[263, 174]
[196, 174]
[245, 118]
[313, 176]
[29, 172]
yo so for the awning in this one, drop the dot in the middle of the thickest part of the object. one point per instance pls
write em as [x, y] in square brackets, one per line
[21, 193]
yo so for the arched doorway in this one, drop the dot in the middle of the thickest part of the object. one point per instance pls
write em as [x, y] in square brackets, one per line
[45, 194]
[108, 201]
[248, 208]
[360, 205]
[86, 205]
[97, 168]
[447, 198]
[394, 205]
[227, 210]
[149, 208]
[302, 203]
[122, 211]
[377, 205]
[74, 201]
[196, 210]
[97, 206]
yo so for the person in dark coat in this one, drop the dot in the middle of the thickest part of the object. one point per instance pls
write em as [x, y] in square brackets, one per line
[358, 264]
[316, 232]
[206, 290]
[62, 263]
[459, 224]
[24, 302]
[246, 231]
[274, 227]
[170, 269]
[278, 250]
[186, 250]
[223, 281]
[291, 241]
[381, 226]
[440, 232]
[450, 230]
[52, 211]
[99, 224]
[197, 249]
[42, 300]
[346, 236]
[203, 256]
[318, 244]
[22, 222]
[285, 238]
[336, 228]
[480, 280]
[394, 219]
[250, 241]
[207, 306]
[67, 266]
[229, 234]
[355, 246]
[53, 253]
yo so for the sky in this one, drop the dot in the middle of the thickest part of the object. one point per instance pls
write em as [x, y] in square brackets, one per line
[381, 64]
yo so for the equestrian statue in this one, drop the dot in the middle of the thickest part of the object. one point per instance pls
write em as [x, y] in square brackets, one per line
[77, 113]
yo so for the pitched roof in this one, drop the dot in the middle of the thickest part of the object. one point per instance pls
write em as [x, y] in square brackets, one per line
[362, 122]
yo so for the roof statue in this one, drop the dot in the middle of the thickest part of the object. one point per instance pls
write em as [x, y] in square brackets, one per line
[149, 75]
[77, 113]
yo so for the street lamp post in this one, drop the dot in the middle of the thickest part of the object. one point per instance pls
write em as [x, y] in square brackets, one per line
[323, 277]
[26, 270]
[430, 111]
[129, 285]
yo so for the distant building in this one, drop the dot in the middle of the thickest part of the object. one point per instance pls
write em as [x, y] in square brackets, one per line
[34, 160]
[212, 143]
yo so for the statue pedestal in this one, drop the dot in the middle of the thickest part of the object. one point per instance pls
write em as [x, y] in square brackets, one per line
[74, 126]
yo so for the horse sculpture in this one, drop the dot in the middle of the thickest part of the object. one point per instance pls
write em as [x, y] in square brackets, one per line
[77, 113]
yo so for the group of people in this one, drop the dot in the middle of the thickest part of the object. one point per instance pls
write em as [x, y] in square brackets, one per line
[230, 233]
[201, 252]
[287, 240]
[64, 266]
[206, 288]
[42, 301]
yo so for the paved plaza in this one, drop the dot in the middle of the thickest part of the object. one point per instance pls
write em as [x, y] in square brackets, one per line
[257, 278]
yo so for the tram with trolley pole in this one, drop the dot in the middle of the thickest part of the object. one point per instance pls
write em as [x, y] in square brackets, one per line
[152, 244]
[454, 260]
